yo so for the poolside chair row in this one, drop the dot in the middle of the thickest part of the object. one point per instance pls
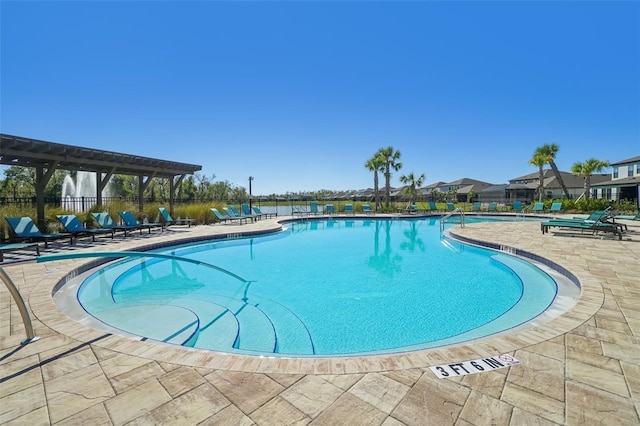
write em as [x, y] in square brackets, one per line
[248, 214]
[24, 230]
[329, 209]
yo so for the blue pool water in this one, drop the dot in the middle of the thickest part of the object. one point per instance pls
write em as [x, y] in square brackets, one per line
[321, 288]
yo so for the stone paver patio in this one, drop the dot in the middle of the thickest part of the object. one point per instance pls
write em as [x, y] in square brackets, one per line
[581, 368]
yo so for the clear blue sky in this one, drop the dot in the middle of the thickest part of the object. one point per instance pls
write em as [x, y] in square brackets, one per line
[300, 94]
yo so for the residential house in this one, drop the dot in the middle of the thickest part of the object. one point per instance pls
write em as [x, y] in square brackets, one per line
[428, 191]
[622, 184]
[459, 190]
[524, 188]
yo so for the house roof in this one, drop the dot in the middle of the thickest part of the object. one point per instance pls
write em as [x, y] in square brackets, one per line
[521, 185]
[465, 189]
[627, 161]
[535, 175]
[465, 181]
[495, 188]
[632, 180]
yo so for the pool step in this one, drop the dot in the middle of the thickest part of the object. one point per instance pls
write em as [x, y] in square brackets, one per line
[153, 324]
[225, 321]
[218, 326]
[255, 330]
[292, 335]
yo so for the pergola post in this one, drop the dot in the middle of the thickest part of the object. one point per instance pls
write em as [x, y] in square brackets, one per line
[101, 183]
[142, 186]
[42, 179]
[172, 191]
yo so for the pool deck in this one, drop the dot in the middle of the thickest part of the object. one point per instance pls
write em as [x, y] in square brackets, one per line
[581, 368]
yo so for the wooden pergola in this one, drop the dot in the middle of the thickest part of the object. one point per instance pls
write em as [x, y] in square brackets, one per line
[46, 157]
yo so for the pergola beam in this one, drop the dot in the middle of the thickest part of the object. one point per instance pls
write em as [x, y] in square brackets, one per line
[49, 156]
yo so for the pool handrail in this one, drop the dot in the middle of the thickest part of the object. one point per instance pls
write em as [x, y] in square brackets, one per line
[22, 307]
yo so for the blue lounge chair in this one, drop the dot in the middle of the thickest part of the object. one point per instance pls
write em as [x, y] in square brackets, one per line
[232, 214]
[594, 227]
[451, 207]
[167, 220]
[366, 209]
[493, 207]
[17, 246]
[476, 207]
[556, 207]
[596, 221]
[412, 209]
[257, 210]
[299, 210]
[73, 226]
[516, 206]
[22, 229]
[130, 220]
[246, 212]
[104, 221]
[538, 207]
[313, 208]
[329, 209]
[432, 206]
[225, 217]
[627, 217]
[348, 208]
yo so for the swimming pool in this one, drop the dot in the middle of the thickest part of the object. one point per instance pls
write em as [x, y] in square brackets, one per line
[321, 288]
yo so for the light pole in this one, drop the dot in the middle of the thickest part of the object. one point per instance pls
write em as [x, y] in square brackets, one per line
[250, 179]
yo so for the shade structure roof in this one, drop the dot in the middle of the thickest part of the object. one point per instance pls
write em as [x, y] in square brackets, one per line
[22, 151]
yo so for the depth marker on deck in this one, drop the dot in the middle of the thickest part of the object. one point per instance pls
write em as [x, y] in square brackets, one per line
[479, 365]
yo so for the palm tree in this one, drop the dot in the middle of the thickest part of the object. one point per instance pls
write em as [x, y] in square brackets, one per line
[586, 169]
[413, 184]
[375, 164]
[539, 161]
[390, 159]
[549, 151]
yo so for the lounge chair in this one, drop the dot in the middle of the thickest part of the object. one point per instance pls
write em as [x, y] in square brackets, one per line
[594, 227]
[257, 210]
[313, 208]
[556, 207]
[493, 207]
[366, 209]
[626, 217]
[299, 210]
[476, 207]
[596, 221]
[411, 209]
[130, 220]
[22, 229]
[348, 208]
[167, 220]
[538, 207]
[516, 206]
[73, 226]
[246, 212]
[329, 209]
[225, 217]
[451, 207]
[230, 213]
[17, 246]
[432, 206]
[105, 222]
